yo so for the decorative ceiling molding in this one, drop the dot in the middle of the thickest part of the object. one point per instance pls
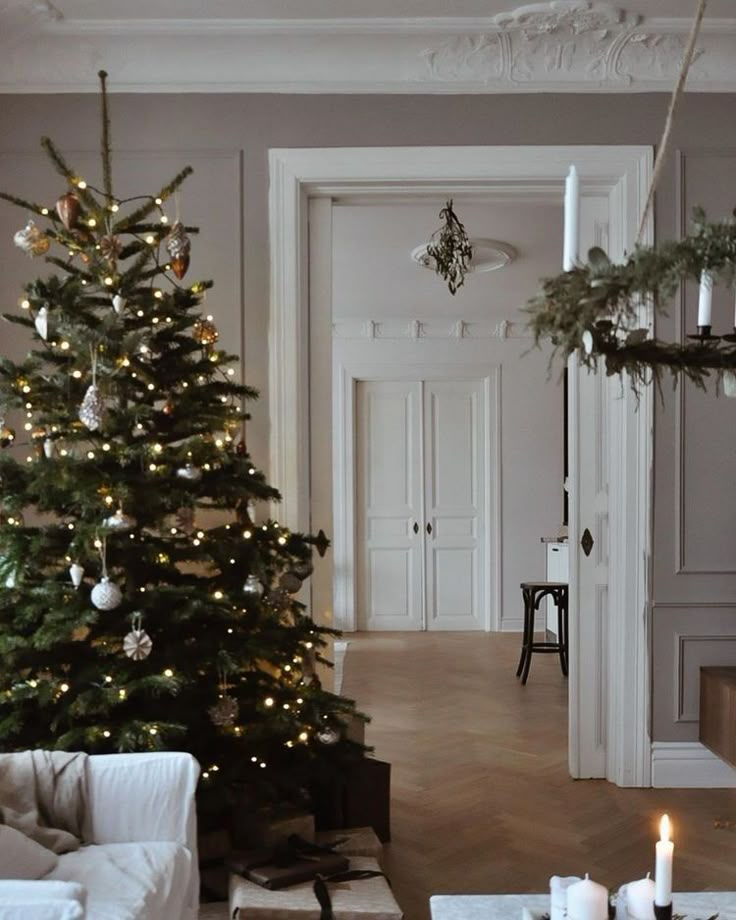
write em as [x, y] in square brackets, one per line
[557, 46]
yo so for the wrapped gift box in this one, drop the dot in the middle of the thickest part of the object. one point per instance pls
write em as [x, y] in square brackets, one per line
[266, 828]
[352, 841]
[362, 899]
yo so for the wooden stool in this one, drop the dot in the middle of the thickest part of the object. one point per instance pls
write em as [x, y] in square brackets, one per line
[533, 592]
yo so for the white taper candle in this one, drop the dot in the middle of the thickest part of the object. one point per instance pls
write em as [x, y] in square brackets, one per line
[663, 865]
[705, 299]
[571, 239]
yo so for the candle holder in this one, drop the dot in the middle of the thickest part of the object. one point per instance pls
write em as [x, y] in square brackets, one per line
[663, 912]
[704, 335]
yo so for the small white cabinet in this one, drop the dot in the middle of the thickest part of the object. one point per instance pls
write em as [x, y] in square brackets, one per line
[557, 569]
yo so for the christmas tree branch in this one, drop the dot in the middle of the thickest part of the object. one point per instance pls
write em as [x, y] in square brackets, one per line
[63, 168]
[106, 155]
[22, 203]
[145, 209]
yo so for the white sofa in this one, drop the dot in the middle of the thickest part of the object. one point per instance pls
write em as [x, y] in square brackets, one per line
[141, 863]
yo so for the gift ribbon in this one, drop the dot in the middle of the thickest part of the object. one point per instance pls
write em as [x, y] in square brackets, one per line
[322, 893]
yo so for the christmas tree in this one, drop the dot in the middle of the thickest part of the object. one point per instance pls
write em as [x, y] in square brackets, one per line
[142, 607]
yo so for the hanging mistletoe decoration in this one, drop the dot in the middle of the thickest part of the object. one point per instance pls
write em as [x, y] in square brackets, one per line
[593, 309]
[450, 249]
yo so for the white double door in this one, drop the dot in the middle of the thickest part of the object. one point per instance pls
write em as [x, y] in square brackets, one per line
[421, 475]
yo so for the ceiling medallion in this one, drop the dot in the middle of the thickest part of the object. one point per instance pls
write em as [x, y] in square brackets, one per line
[488, 255]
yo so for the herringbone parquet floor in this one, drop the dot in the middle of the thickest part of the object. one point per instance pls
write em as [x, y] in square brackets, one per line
[481, 798]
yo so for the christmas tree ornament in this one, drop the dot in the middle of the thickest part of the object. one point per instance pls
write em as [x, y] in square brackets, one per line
[76, 573]
[327, 735]
[80, 633]
[32, 240]
[290, 583]
[168, 407]
[68, 208]
[240, 448]
[110, 247]
[7, 435]
[178, 245]
[92, 409]
[106, 595]
[205, 332]
[41, 322]
[224, 712]
[49, 448]
[252, 587]
[38, 436]
[303, 570]
[137, 644]
[189, 472]
[118, 303]
[119, 521]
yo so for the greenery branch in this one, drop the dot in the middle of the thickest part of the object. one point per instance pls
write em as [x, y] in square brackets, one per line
[450, 249]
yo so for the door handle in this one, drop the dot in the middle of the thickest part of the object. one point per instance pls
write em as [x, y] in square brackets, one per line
[416, 527]
[429, 528]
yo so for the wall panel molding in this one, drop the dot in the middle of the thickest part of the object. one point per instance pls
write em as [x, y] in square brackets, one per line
[446, 328]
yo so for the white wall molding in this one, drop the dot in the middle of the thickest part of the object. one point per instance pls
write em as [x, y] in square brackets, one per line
[622, 171]
[558, 46]
[447, 328]
[689, 765]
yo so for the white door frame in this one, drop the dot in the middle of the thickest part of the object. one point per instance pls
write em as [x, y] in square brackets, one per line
[531, 173]
[346, 378]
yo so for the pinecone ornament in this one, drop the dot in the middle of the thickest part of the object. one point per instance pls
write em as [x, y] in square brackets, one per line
[92, 409]
[111, 247]
[178, 245]
[32, 240]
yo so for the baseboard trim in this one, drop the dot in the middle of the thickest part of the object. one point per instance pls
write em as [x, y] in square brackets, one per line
[689, 765]
[512, 624]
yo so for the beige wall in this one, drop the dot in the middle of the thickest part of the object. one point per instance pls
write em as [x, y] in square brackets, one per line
[694, 599]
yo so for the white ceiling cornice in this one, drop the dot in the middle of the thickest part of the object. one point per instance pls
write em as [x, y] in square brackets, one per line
[557, 46]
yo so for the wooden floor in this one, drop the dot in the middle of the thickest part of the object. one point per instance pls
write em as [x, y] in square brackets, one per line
[481, 798]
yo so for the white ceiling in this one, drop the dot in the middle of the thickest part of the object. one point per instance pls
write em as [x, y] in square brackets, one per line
[394, 46]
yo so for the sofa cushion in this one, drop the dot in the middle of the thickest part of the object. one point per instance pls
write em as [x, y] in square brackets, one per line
[130, 881]
[41, 900]
[21, 857]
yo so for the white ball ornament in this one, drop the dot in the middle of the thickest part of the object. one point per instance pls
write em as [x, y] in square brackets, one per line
[189, 472]
[106, 595]
[119, 521]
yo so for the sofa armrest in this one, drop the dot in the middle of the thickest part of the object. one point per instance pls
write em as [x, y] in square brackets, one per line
[41, 900]
[142, 797]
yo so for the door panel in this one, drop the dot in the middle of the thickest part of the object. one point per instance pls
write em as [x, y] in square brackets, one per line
[389, 504]
[456, 470]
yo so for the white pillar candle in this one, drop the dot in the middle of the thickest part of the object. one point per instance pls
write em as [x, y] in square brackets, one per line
[705, 298]
[571, 244]
[558, 895]
[640, 899]
[587, 900]
[663, 865]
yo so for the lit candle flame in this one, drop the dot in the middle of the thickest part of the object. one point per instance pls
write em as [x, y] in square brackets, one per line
[664, 829]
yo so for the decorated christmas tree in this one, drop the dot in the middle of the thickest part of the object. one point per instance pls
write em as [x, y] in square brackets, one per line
[142, 607]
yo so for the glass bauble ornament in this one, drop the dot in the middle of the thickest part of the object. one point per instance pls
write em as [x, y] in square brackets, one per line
[189, 472]
[252, 587]
[41, 322]
[92, 409]
[32, 239]
[76, 573]
[327, 735]
[303, 570]
[49, 448]
[290, 582]
[178, 245]
[224, 712]
[137, 644]
[120, 521]
[106, 595]
[118, 303]
[68, 208]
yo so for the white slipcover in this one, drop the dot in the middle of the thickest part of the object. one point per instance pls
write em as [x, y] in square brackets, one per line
[141, 861]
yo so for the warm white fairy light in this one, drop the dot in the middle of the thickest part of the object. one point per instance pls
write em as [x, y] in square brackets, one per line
[299, 700]
[196, 542]
[173, 530]
[268, 702]
[158, 294]
[26, 388]
[70, 525]
[114, 208]
[150, 239]
[281, 541]
[157, 448]
[76, 374]
[151, 387]
[98, 544]
[153, 730]
[158, 200]
[106, 734]
[303, 736]
[107, 678]
[81, 183]
[64, 688]
[286, 706]
[251, 471]
[90, 455]
[232, 562]
[164, 219]
[152, 467]
[230, 630]
[64, 346]
[122, 694]
[247, 535]
[219, 443]
[64, 452]
[230, 372]
[27, 426]
[107, 280]
[44, 211]
[109, 499]
[155, 321]
[168, 673]
[217, 595]
[106, 446]
[91, 222]
[140, 313]
[25, 304]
